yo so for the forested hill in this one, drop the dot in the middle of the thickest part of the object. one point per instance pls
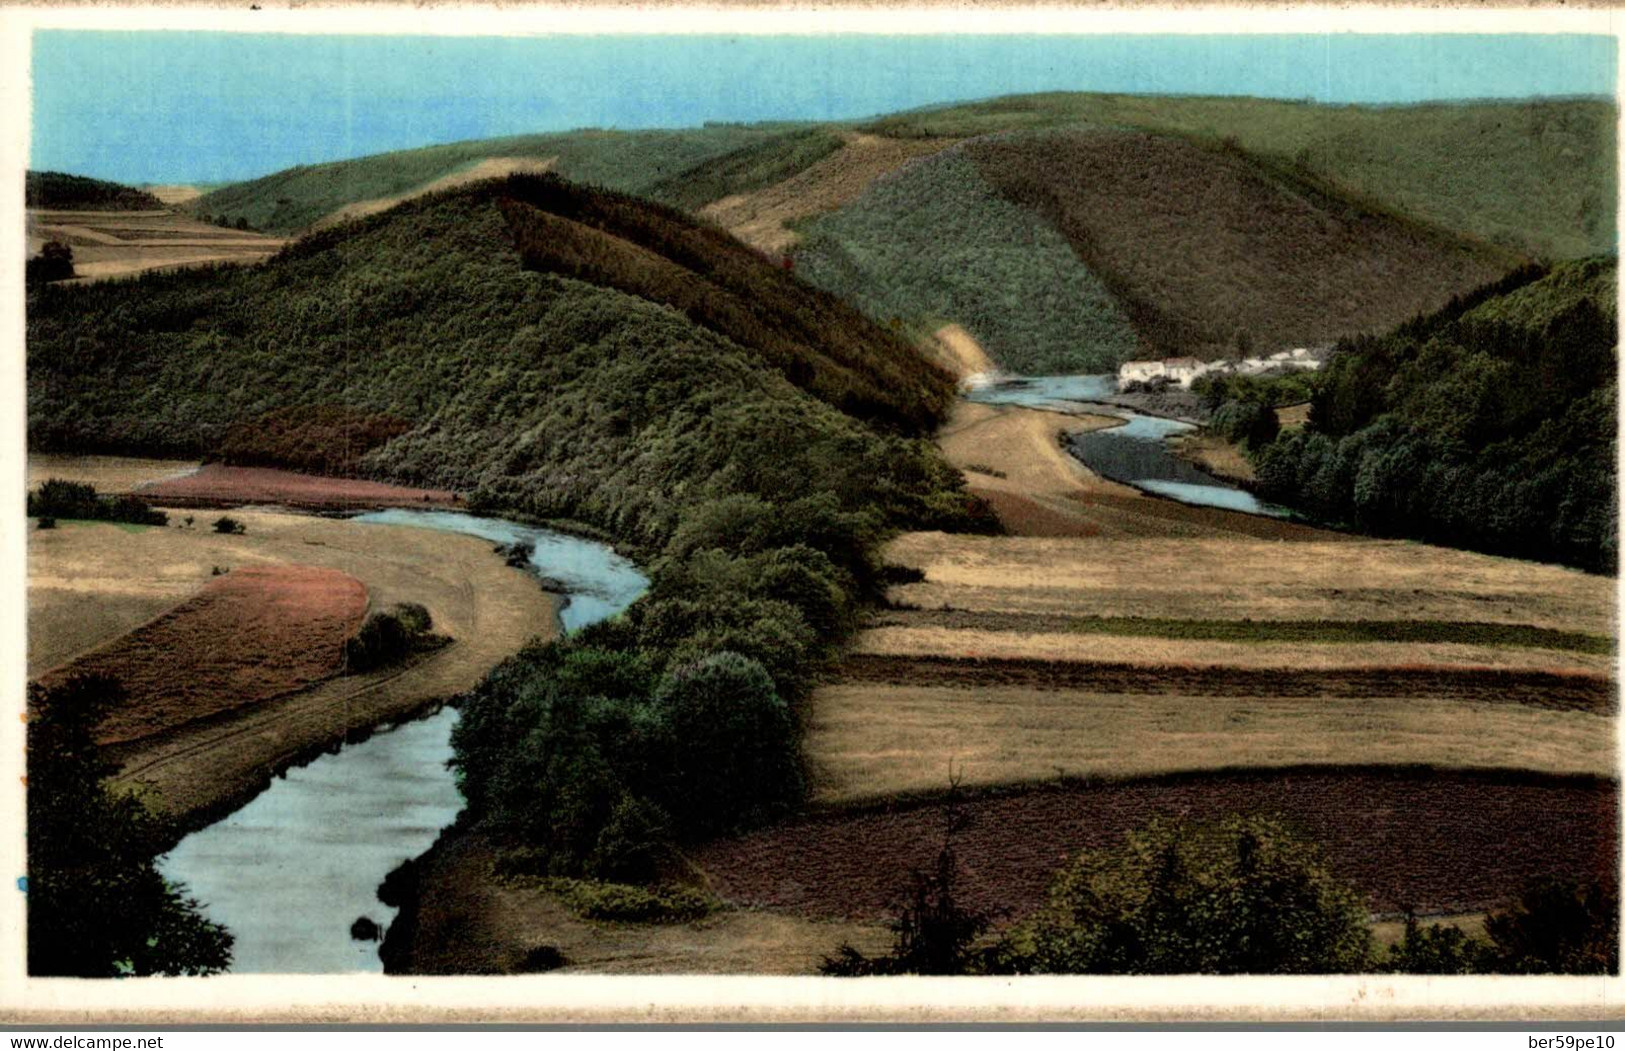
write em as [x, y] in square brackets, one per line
[637, 364]
[60, 190]
[1069, 232]
[1489, 424]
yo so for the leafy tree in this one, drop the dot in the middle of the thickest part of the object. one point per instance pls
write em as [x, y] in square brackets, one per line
[97, 907]
[728, 729]
[1241, 896]
[1557, 927]
[54, 263]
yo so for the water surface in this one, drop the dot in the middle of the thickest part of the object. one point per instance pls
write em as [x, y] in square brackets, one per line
[292, 870]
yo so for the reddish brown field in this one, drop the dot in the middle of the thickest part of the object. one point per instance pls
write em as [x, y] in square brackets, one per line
[217, 485]
[254, 634]
[1440, 842]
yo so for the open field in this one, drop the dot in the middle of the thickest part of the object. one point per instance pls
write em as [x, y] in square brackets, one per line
[1151, 651]
[867, 741]
[1236, 578]
[1449, 842]
[1217, 457]
[116, 244]
[90, 584]
[489, 168]
[763, 218]
[109, 474]
[477, 924]
[217, 485]
[248, 637]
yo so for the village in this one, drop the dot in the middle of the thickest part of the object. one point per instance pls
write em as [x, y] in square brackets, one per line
[1183, 371]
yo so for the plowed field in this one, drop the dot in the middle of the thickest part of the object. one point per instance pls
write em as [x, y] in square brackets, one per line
[250, 636]
[1436, 841]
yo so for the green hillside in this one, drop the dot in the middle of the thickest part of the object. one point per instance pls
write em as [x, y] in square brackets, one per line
[750, 167]
[635, 161]
[1489, 424]
[936, 243]
[78, 193]
[1535, 176]
[1209, 250]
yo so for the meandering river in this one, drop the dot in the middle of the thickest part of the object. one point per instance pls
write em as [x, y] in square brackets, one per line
[290, 872]
[1135, 452]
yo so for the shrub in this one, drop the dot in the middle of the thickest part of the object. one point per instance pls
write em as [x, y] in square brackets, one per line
[1241, 896]
[933, 932]
[1435, 949]
[56, 498]
[540, 959]
[1557, 927]
[46, 522]
[230, 526]
[387, 637]
[624, 903]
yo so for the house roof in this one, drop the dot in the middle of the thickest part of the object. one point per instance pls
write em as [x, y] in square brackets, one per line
[1180, 362]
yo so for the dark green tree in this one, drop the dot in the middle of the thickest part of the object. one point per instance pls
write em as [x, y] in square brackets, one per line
[97, 906]
[1241, 896]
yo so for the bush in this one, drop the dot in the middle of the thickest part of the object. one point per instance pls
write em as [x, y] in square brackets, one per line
[624, 903]
[1435, 949]
[46, 522]
[57, 498]
[1557, 927]
[933, 933]
[230, 526]
[387, 637]
[540, 959]
[1242, 896]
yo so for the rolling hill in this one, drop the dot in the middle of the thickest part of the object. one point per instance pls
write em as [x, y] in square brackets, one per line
[60, 191]
[634, 161]
[553, 350]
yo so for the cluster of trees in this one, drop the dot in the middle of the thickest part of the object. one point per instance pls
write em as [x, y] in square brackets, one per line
[56, 498]
[1489, 425]
[97, 907]
[54, 263]
[59, 190]
[1238, 896]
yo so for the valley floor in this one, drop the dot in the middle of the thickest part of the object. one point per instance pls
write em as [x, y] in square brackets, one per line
[91, 583]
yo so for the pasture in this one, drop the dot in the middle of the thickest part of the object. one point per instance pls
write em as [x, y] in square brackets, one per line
[118, 244]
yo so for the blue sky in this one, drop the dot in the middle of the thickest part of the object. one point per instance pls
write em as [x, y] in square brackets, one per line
[195, 106]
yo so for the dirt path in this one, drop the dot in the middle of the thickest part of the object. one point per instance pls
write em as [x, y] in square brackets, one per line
[760, 219]
[489, 168]
[207, 768]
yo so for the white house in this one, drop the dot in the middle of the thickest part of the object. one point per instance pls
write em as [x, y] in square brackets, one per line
[1182, 371]
[1139, 372]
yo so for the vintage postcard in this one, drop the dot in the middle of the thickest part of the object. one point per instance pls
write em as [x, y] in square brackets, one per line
[700, 513]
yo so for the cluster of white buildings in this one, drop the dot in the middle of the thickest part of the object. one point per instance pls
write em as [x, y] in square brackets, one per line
[1182, 372]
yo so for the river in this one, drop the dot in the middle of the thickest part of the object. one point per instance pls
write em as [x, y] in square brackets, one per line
[290, 872]
[1134, 452]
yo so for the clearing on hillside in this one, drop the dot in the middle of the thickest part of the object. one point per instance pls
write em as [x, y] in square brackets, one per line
[119, 243]
[764, 218]
[1209, 251]
[489, 168]
[218, 485]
